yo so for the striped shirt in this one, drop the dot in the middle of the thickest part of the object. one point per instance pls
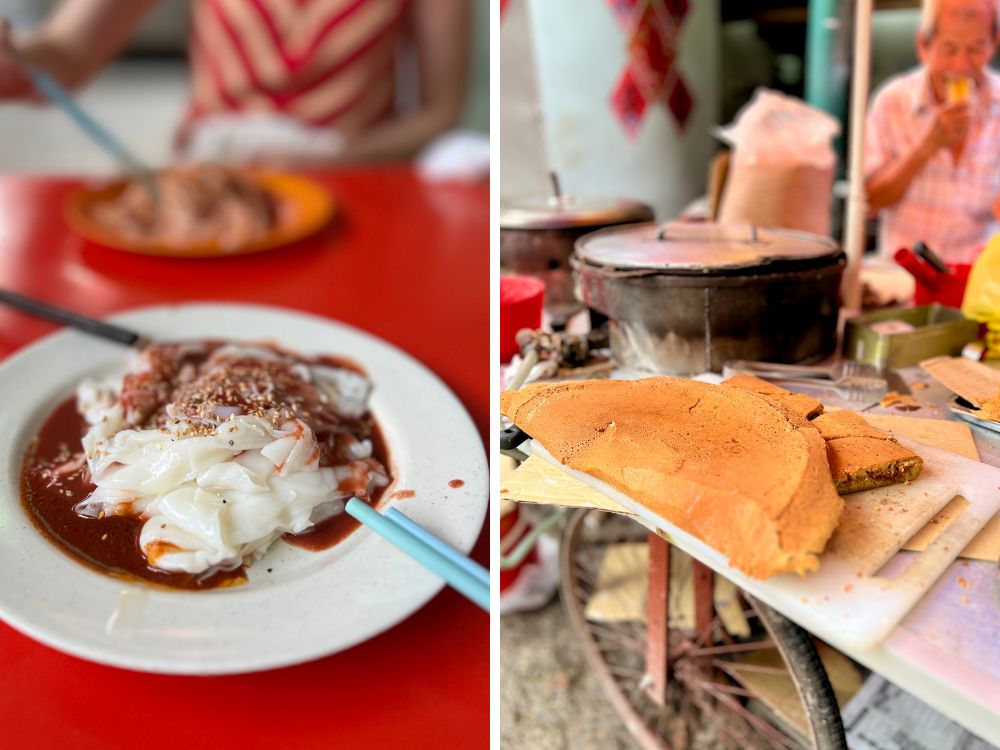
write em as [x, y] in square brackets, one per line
[323, 62]
[947, 205]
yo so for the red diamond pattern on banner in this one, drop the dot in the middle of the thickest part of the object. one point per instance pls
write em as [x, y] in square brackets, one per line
[628, 102]
[652, 28]
[651, 55]
[680, 102]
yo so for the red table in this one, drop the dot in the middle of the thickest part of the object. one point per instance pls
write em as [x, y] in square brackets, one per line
[404, 260]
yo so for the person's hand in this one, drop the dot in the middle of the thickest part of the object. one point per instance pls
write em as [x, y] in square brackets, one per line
[951, 126]
[14, 80]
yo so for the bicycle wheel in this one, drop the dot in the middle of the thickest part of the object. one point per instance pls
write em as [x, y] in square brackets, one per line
[704, 703]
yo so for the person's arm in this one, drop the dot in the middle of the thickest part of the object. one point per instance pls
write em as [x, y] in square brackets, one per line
[888, 184]
[79, 39]
[442, 29]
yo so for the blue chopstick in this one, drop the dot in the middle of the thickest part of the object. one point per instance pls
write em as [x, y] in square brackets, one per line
[456, 577]
[469, 565]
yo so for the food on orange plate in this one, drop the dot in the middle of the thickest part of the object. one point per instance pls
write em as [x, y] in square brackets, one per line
[195, 204]
[201, 455]
[861, 457]
[736, 469]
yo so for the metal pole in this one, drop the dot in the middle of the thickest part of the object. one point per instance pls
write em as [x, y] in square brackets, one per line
[826, 78]
[857, 209]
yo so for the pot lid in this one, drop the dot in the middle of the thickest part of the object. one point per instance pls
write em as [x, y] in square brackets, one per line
[566, 211]
[699, 247]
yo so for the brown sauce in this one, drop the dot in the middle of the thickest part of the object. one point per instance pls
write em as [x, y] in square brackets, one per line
[403, 494]
[456, 483]
[335, 530]
[111, 544]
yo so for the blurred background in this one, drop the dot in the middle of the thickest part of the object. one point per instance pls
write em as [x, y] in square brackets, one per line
[145, 91]
[725, 50]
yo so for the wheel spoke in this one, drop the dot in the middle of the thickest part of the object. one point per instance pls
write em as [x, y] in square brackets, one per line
[736, 647]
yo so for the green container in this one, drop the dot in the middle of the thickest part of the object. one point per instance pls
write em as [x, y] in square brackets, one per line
[939, 331]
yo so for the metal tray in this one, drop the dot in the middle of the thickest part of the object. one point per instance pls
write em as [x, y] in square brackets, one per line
[964, 410]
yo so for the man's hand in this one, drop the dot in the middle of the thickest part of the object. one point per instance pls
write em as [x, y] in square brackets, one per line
[951, 126]
[14, 80]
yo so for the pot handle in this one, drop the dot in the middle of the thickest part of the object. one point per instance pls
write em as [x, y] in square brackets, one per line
[663, 233]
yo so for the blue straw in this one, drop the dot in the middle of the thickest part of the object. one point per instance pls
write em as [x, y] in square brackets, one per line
[470, 566]
[456, 577]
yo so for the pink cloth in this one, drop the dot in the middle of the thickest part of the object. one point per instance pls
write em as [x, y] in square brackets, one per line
[947, 206]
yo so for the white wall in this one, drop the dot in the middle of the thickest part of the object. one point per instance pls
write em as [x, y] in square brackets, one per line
[581, 51]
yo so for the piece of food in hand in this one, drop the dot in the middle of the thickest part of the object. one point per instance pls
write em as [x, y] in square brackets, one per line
[799, 403]
[861, 457]
[958, 90]
[737, 470]
[196, 204]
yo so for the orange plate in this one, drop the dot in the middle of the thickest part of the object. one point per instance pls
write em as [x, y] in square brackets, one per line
[303, 208]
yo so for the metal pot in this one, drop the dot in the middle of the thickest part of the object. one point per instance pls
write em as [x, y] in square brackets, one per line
[685, 298]
[537, 236]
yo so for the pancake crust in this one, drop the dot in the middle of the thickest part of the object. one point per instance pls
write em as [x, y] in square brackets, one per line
[800, 403]
[736, 469]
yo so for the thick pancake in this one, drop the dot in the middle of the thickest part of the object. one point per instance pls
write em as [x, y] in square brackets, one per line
[800, 403]
[733, 468]
[861, 457]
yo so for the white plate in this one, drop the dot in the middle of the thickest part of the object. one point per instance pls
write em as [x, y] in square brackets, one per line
[312, 603]
[963, 410]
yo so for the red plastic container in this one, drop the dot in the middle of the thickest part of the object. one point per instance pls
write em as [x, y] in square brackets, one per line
[932, 285]
[521, 300]
[511, 532]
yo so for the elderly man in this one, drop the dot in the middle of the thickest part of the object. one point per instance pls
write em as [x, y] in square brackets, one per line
[932, 137]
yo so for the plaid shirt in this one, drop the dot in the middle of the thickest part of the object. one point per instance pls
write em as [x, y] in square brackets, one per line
[947, 205]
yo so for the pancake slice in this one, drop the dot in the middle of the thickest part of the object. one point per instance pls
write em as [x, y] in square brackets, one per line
[861, 457]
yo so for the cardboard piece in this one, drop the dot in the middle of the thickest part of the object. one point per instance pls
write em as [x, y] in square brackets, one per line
[621, 591]
[973, 381]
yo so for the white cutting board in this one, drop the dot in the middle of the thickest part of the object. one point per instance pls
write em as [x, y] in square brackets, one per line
[845, 602]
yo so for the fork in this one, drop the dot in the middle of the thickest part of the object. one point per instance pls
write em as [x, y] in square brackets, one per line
[851, 388]
[837, 372]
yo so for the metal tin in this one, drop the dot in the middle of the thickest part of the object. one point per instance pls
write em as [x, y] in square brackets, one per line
[939, 331]
[683, 300]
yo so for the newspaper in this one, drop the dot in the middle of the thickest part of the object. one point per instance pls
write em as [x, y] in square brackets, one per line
[881, 716]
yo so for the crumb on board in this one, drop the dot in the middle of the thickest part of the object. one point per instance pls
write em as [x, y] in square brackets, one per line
[963, 582]
[848, 587]
[895, 398]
